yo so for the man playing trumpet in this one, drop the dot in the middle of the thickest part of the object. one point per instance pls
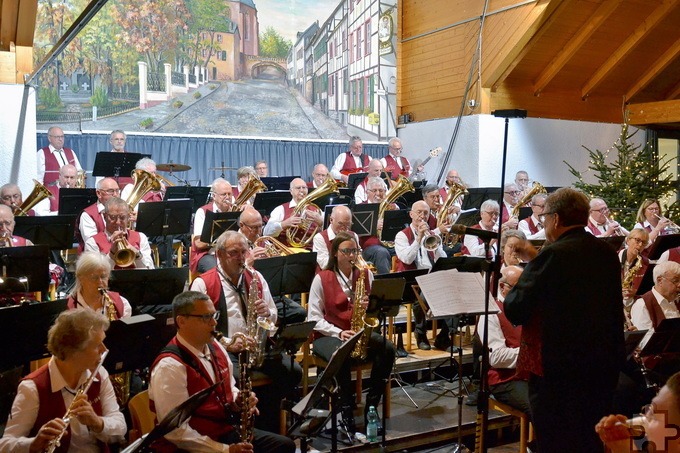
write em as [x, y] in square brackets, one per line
[7, 239]
[599, 222]
[117, 237]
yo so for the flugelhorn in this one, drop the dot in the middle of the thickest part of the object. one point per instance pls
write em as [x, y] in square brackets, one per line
[125, 255]
[672, 227]
[38, 194]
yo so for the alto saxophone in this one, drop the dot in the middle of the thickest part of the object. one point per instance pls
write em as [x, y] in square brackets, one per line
[119, 381]
[257, 327]
[359, 318]
[627, 285]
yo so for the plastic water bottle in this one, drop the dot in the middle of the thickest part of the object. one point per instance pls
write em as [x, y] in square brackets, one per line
[372, 425]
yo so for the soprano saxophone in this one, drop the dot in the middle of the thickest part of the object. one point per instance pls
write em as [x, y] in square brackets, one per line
[359, 319]
[257, 327]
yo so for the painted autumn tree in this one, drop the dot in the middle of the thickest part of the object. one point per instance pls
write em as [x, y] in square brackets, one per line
[207, 17]
[274, 45]
[52, 20]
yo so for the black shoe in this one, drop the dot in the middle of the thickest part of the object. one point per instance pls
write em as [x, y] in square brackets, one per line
[471, 399]
[442, 343]
[423, 343]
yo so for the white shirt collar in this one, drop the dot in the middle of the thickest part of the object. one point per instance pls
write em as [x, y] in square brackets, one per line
[57, 380]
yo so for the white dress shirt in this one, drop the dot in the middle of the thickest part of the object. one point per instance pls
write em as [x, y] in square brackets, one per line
[475, 248]
[143, 259]
[360, 195]
[87, 225]
[273, 227]
[61, 159]
[340, 163]
[501, 356]
[523, 226]
[640, 316]
[25, 412]
[168, 389]
[319, 246]
[415, 252]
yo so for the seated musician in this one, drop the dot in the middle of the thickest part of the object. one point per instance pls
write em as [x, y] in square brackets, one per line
[229, 287]
[243, 175]
[650, 218]
[10, 195]
[282, 216]
[633, 265]
[394, 163]
[76, 342]
[319, 175]
[510, 240]
[192, 361]
[431, 196]
[371, 248]
[504, 343]
[452, 177]
[109, 242]
[660, 302]
[352, 161]
[331, 302]
[7, 222]
[91, 220]
[374, 169]
[340, 220]
[93, 271]
[412, 253]
[149, 166]
[473, 245]
[250, 225]
[532, 226]
[600, 224]
[511, 196]
[67, 178]
[53, 156]
[202, 255]
[522, 182]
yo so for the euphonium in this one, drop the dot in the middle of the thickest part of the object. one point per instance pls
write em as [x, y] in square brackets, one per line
[274, 247]
[144, 182]
[359, 318]
[257, 327]
[81, 179]
[400, 187]
[125, 255]
[302, 235]
[252, 187]
[54, 443]
[535, 189]
[38, 194]
[454, 192]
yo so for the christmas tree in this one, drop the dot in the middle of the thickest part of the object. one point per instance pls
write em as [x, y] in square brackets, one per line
[632, 175]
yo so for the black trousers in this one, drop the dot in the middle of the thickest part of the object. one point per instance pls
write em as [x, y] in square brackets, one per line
[513, 393]
[264, 442]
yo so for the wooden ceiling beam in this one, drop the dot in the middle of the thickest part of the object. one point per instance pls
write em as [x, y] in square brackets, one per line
[9, 11]
[673, 92]
[654, 112]
[629, 44]
[28, 9]
[575, 43]
[654, 70]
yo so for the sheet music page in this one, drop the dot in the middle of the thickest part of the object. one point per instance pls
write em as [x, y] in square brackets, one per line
[450, 293]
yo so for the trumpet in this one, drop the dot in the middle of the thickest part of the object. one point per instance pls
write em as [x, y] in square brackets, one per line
[618, 230]
[6, 239]
[54, 443]
[125, 255]
[672, 227]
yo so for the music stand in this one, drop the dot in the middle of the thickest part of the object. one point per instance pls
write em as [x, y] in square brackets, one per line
[394, 222]
[265, 202]
[468, 217]
[217, 223]
[115, 165]
[478, 195]
[355, 179]
[306, 426]
[198, 195]
[614, 242]
[365, 219]
[663, 243]
[149, 290]
[31, 262]
[56, 232]
[73, 201]
[278, 182]
[165, 218]
[408, 198]
[23, 345]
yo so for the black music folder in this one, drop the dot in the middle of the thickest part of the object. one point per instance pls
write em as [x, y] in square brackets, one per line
[278, 182]
[365, 219]
[265, 202]
[394, 222]
[199, 195]
[73, 201]
[55, 231]
[217, 223]
[355, 179]
[116, 165]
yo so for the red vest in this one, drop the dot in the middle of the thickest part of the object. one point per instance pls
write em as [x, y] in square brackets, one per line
[54, 201]
[93, 212]
[213, 285]
[52, 166]
[133, 237]
[393, 167]
[432, 221]
[350, 167]
[337, 306]
[674, 254]
[71, 303]
[512, 336]
[52, 404]
[505, 215]
[533, 228]
[401, 266]
[593, 228]
[18, 241]
[654, 309]
[287, 212]
[196, 254]
[212, 417]
[151, 197]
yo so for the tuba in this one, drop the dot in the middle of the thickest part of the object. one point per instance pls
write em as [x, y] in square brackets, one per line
[144, 182]
[359, 318]
[454, 192]
[400, 187]
[302, 235]
[274, 247]
[253, 187]
[38, 194]
[535, 189]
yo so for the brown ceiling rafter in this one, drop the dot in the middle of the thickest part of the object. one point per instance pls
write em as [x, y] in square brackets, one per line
[654, 70]
[9, 10]
[659, 112]
[541, 13]
[646, 27]
[28, 9]
[673, 92]
[599, 17]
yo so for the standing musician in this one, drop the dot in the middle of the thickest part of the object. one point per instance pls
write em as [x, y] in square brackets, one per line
[650, 218]
[599, 224]
[412, 253]
[633, 265]
[261, 169]
[202, 255]
[229, 286]
[7, 222]
[532, 226]
[452, 177]
[352, 161]
[67, 179]
[54, 156]
[76, 342]
[192, 361]
[522, 182]
[319, 175]
[375, 168]
[282, 216]
[93, 271]
[91, 220]
[340, 220]
[473, 245]
[332, 300]
[10, 195]
[110, 241]
[371, 248]
[117, 140]
[395, 164]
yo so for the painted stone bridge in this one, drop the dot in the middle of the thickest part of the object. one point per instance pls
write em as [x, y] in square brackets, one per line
[255, 65]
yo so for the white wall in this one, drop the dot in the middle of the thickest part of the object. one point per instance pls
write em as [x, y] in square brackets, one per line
[20, 166]
[536, 145]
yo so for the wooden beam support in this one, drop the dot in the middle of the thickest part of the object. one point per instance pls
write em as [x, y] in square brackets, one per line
[654, 112]
[575, 43]
[619, 54]
[9, 10]
[28, 9]
[673, 92]
[659, 65]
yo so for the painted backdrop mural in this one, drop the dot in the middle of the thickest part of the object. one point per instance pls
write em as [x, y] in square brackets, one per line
[313, 69]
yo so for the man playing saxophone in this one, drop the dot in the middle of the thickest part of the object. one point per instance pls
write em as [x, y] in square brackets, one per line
[229, 287]
[332, 298]
[76, 341]
[192, 361]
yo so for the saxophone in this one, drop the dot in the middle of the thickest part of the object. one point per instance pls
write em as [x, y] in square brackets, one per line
[119, 381]
[257, 327]
[627, 284]
[359, 319]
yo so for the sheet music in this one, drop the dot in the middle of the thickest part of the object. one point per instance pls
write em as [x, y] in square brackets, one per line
[450, 293]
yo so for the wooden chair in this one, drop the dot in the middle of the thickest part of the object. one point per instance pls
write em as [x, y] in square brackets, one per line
[526, 429]
[143, 419]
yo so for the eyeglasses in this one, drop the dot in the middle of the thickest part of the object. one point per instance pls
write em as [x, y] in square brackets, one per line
[57, 136]
[15, 196]
[117, 218]
[206, 317]
[300, 188]
[543, 216]
[349, 251]
[252, 227]
[236, 253]
[653, 208]
[674, 281]
[110, 191]
[491, 213]
[537, 205]
[637, 240]
[605, 209]
[514, 192]
[376, 190]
